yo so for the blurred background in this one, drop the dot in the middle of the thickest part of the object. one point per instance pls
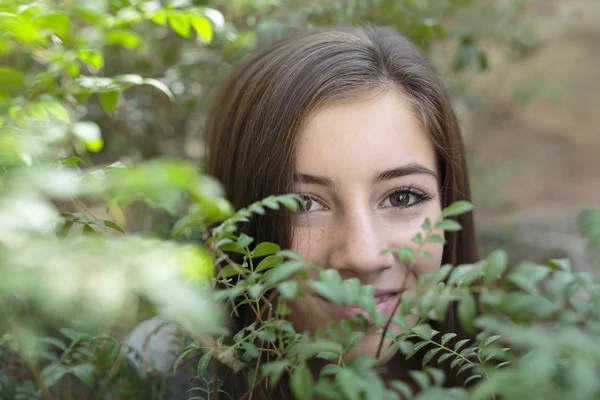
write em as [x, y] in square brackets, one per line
[523, 73]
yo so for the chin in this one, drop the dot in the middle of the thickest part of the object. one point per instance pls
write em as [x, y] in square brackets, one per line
[369, 345]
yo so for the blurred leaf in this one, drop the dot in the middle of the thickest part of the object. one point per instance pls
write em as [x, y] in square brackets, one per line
[288, 289]
[92, 58]
[265, 249]
[84, 372]
[349, 384]
[89, 133]
[448, 225]
[302, 382]
[203, 363]
[109, 101]
[589, 225]
[52, 373]
[113, 225]
[57, 110]
[466, 54]
[180, 23]
[203, 27]
[457, 208]
[125, 38]
[160, 86]
[160, 17]
[10, 79]
[466, 311]
[38, 111]
[58, 23]
[268, 263]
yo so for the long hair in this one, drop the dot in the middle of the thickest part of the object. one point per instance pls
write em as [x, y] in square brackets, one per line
[253, 127]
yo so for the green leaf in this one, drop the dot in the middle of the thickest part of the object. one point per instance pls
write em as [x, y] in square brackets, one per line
[274, 370]
[54, 342]
[160, 17]
[460, 344]
[203, 363]
[113, 225]
[465, 55]
[465, 368]
[268, 263]
[403, 388]
[407, 348]
[351, 341]
[421, 378]
[424, 331]
[243, 241]
[57, 23]
[53, 373]
[203, 28]
[436, 239]
[160, 86]
[447, 337]
[10, 79]
[291, 201]
[466, 311]
[251, 349]
[564, 264]
[457, 208]
[84, 372]
[127, 39]
[439, 377]
[38, 111]
[429, 355]
[426, 225]
[444, 357]
[92, 58]
[448, 225]
[288, 289]
[265, 249]
[180, 23]
[89, 133]
[301, 382]
[283, 271]
[109, 100]
[348, 383]
[495, 266]
[491, 339]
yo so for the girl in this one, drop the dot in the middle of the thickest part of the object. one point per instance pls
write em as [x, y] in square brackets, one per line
[356, 122]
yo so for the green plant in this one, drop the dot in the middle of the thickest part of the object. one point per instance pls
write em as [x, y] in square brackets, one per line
[73, 284]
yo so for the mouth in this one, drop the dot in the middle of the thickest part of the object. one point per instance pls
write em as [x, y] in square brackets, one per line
[385, 304]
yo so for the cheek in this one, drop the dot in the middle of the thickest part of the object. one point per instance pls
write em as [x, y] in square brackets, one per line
[311, 244]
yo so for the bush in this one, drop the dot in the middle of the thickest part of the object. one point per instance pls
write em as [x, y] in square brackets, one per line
[74, 284]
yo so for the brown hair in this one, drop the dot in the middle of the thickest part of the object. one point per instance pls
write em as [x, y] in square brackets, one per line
[252, 129]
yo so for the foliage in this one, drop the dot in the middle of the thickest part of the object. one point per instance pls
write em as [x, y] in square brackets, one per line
[73, 283]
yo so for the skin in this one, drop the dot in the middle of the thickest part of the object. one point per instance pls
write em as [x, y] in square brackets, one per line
[350, 217]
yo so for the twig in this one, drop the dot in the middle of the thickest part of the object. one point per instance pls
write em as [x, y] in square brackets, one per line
[29, 363]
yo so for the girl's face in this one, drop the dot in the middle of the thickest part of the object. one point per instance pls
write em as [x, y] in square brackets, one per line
[368, 176]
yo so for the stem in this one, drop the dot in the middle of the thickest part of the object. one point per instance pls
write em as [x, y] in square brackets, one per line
[408, 268]
[34, 371]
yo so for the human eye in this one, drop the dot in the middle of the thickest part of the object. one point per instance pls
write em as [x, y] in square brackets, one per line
[405, 198]
[310, 203]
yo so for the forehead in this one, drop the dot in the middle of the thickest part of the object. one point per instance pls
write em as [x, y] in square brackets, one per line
[376, 133]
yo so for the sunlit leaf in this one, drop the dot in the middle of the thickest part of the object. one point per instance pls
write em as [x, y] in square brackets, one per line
[92, 58]
[203, 27]
[125, 38]
[89, 133]
[180, 23]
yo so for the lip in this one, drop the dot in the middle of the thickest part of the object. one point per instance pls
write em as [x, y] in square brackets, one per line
[386, 300]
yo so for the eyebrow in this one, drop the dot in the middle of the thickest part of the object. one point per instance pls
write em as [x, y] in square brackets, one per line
[409, 169]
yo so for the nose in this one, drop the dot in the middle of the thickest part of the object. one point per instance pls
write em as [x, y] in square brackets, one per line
[357, 252]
